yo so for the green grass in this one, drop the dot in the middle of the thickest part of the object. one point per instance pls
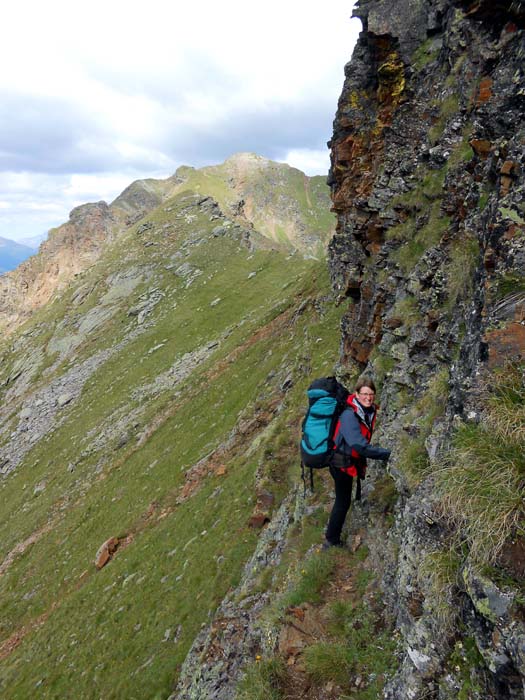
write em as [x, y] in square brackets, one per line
[407, 311]
[481, 479]
[464, 658]
[509, 284]
[462, 152]
[364, 649]
[438, 576]
[428, 189]
[512, 215]
[447, 109]
[262, 681]
[424, 55]
[412, 455]
[409, 253]
[383, 364]
[313, 576]
[464, 258]
[102, 633]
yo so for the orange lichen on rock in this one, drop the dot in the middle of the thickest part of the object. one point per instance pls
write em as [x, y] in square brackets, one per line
[506, 344]
[484, 91]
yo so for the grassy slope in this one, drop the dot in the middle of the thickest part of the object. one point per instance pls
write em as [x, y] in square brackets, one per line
[66, 629]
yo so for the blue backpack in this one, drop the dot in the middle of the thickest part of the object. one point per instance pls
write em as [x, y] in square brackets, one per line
[326, 401]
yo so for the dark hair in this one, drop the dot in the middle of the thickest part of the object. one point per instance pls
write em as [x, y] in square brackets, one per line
[365, 381]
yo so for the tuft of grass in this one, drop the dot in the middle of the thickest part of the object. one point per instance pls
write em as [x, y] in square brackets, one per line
[448, 108]
[510, 284]
[413, 458]
[463, 261]
[512, 215]
[383, 364]
[385, 493]
[407, 310]
[329, 661]
[462, 152]
[481, 480]
[408, 254]
[424, 54]
[262, 681]
[314, 575]
[438, 575]
[364, 648]
[428, 189]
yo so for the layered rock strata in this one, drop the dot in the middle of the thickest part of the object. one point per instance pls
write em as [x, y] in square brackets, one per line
[428, 186]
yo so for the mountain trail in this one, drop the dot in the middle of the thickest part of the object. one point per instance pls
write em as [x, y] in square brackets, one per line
[309, 624]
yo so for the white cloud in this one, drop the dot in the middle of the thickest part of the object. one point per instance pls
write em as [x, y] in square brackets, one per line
[101, 94]
[311, 162]
[85, 188]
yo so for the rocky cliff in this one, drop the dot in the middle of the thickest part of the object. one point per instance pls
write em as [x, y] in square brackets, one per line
[428, 260]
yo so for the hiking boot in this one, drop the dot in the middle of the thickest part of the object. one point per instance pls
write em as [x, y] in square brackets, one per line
[328, 545]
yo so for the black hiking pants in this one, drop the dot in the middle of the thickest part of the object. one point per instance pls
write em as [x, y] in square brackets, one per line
[343, 498]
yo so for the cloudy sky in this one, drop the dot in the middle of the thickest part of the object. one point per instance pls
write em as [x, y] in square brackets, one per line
[95, 95]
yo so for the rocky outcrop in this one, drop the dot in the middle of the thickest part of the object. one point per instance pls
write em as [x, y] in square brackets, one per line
[69, 249]
[428, 185]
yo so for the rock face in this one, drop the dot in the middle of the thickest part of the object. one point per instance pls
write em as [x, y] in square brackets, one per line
[68, 250]
[428, 185]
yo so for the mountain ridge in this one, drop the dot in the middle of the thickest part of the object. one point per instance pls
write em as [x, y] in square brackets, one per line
[77, 244]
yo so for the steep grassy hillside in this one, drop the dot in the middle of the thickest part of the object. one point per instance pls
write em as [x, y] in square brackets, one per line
[155, 402]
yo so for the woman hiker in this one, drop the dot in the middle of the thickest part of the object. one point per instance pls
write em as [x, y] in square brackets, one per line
[352, 443]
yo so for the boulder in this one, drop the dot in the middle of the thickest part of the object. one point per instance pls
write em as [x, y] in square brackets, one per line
[105, 552]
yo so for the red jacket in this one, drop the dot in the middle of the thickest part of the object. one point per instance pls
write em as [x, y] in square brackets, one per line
[352, 437]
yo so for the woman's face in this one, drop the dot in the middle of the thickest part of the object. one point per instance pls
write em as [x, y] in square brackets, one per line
[366, 396]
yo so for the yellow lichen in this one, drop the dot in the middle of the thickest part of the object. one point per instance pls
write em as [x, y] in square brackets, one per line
[391, 75]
